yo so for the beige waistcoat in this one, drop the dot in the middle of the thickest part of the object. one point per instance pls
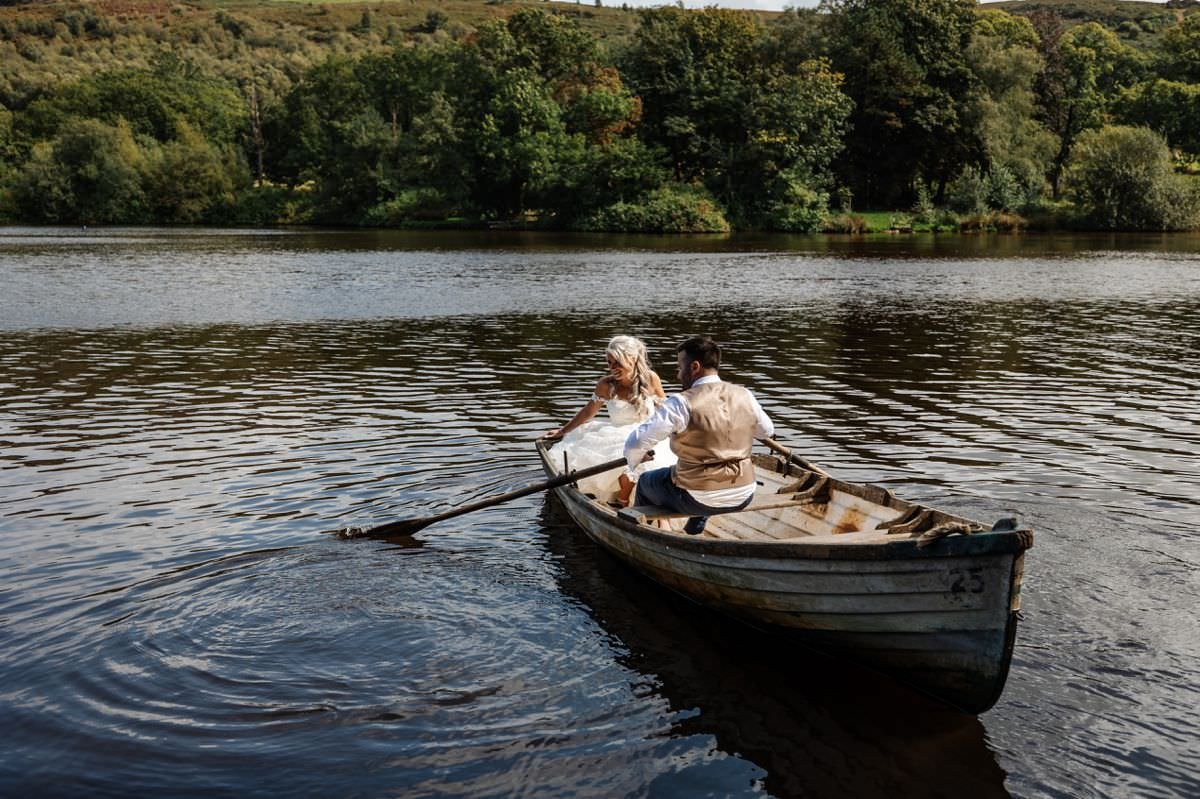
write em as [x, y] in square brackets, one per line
[714, 450]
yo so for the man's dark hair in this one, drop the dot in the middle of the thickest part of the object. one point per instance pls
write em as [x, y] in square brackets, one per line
[702, 349]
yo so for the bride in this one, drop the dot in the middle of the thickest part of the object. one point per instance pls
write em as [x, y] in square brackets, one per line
[630, 391]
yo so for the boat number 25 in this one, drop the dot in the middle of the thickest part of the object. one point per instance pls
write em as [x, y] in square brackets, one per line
[966, 580]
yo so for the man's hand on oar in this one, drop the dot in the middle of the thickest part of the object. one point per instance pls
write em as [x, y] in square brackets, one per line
[402, 527]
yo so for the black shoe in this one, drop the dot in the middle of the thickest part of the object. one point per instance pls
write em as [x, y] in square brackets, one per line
[695, 525]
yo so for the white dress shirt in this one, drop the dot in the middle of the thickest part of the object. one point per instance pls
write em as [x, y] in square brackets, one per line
[672, 417]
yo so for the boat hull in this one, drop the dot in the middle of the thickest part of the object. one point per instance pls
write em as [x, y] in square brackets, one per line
[941, 619]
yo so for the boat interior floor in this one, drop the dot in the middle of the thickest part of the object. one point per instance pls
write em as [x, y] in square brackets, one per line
[788, 507]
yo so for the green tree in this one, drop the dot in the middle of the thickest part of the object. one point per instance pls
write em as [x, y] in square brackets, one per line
[588, 178]
[906, 69]
[90, 173]
[519, 142]
[797, 35]
[1169, 107]
[355, 173]
[660, 68]
[536, 111]
[1085, 68]
[1123, 177]
[1016, 144]
[693, 71]
[552, 45]
[300, 131]
[975, 191]
[519, 118]
[330, 131]
[153, 101]
[432, 154]
[1179, 52]
[41, 190]
[600, 107]
[8, 149]
[798, 121]
[758, 133]
[399, 83]
[187, 178]
[256, 142]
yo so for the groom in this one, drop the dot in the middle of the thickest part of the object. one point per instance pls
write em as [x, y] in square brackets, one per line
[712, 426]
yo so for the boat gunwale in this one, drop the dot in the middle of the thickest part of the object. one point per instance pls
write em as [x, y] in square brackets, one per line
[986, 542]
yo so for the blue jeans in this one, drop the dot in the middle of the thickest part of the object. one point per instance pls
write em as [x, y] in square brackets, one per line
[656, 488]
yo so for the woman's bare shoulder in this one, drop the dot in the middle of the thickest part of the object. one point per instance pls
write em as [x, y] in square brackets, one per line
[656, 385]
[604, 389]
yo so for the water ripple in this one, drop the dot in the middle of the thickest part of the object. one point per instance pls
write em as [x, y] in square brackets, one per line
[169, 458]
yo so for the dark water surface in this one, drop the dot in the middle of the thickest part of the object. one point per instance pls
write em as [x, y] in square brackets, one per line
[183, 413]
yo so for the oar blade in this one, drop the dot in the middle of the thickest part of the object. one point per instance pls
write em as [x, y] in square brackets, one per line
[397, 528]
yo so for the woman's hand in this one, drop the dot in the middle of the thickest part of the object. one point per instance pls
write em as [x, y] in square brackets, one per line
[555, 433]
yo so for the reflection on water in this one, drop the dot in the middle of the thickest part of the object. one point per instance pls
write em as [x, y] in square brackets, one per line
[200, 277]
[183, 414]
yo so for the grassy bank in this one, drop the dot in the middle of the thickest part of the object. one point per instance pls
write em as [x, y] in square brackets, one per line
[936, 220]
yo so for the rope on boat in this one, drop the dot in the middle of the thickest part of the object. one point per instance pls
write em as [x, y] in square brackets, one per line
[939, 532]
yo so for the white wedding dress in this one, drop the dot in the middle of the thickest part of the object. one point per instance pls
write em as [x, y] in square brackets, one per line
[600, 440]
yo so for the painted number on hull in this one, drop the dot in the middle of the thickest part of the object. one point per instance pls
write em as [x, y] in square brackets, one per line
[966, 581]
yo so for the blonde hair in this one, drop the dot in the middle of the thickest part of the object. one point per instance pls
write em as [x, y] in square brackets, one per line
[632, 352]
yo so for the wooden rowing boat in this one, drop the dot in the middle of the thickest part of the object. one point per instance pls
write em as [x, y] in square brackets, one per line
[927, 597]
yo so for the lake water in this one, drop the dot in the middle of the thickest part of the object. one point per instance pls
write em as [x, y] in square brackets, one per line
[184, 414]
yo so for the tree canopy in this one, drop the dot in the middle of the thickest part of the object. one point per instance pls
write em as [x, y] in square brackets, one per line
[652, 119]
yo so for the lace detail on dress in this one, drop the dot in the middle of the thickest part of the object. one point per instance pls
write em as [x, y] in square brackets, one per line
[626, 413]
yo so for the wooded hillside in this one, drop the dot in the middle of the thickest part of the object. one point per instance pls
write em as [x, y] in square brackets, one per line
[592, 117]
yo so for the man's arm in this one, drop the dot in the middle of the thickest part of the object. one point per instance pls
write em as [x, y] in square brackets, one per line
[766, 428]
[671, 417]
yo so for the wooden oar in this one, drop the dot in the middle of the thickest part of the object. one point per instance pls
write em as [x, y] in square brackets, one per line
[775, 446]
[410, 526]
